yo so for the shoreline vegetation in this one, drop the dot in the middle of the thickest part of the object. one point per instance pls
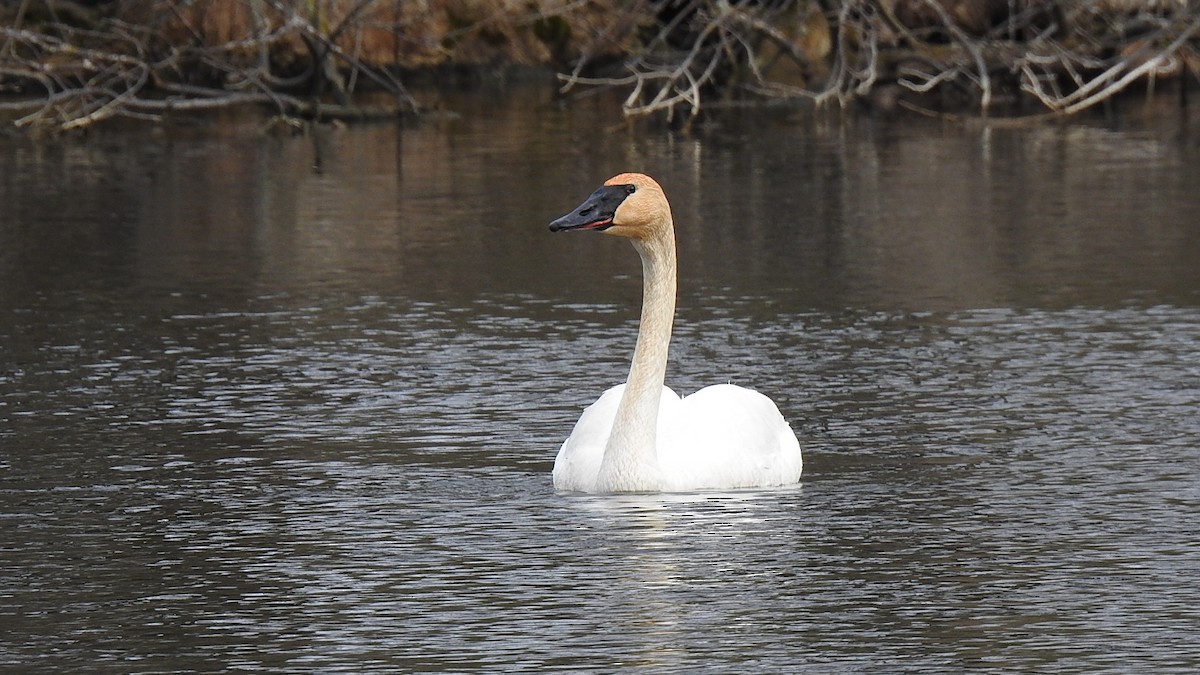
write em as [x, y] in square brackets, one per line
[70, 64]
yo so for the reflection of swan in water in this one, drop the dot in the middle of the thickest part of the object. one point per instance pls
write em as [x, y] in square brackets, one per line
[670, 566]
[640, 436]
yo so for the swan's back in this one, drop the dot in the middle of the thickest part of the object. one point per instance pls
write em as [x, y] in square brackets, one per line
[720, 437]
[726, 436]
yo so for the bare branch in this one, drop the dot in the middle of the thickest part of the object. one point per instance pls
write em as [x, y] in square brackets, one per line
[100, 71]
[1068, 56]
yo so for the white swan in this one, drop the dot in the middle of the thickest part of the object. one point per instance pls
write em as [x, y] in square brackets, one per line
[640, 436]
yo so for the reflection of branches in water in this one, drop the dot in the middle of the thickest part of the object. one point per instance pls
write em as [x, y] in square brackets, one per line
[1067, 56]
[123, 70]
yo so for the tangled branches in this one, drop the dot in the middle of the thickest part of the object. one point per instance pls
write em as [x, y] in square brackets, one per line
[1068, 80]
[1066, 56]
[68, 64]
[65, 75]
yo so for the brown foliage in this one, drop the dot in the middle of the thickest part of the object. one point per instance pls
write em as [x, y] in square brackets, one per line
[406, 34]
[1064, 56]
[72, 63]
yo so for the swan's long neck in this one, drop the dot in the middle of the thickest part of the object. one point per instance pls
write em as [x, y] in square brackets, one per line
[630, 458]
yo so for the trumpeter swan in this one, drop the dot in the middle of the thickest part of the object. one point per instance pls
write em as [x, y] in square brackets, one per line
[640, 436]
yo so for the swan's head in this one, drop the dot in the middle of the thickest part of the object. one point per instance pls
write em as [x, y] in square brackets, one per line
[628, 205]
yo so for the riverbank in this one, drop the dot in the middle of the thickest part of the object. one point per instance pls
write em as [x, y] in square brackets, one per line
[68, 64]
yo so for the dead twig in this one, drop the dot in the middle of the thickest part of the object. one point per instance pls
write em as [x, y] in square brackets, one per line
[74, 77]
[1066, 56]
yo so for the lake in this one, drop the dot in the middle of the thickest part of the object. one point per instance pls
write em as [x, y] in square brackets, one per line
[289, 403]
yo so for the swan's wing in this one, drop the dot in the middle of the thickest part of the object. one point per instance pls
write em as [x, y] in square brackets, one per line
[577, 465]
[578, 460]
[727, 436]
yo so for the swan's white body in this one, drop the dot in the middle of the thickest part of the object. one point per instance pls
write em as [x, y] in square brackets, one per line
[640, 436]
[721, 437]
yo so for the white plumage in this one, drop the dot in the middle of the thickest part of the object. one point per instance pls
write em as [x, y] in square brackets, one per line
[723, 436]
[640, 436]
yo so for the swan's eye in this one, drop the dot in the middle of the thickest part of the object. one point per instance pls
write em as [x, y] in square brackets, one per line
[630, 189]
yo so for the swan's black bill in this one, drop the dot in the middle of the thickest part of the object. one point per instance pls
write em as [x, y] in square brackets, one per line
[596, 213]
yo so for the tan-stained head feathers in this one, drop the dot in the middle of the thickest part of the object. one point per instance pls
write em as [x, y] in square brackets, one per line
[645, 212]
[630, 205]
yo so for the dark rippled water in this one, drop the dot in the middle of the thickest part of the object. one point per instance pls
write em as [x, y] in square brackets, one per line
[290, 404]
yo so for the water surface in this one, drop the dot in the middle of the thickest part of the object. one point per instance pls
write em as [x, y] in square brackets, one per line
[291, 403]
